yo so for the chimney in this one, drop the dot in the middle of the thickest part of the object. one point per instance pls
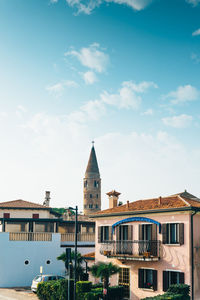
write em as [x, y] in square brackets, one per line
[159, 200]
[47, 199]
[113, 198]
[127, 204]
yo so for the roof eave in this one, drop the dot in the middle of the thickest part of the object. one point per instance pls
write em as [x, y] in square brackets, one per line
[139, 212]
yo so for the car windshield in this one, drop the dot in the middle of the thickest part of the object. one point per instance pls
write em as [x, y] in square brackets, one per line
[38, 278]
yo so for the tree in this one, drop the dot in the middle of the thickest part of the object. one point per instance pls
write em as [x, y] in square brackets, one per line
[104, 271]
[79, 267]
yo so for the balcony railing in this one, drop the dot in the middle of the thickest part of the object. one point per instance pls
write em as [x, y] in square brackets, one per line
[30, 236]
[81, 237]
[136, 250]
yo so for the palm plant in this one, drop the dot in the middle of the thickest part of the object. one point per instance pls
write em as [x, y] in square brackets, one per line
[104, 271]
[79, 267]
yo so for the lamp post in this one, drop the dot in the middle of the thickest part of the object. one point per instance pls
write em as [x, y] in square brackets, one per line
[75, 247]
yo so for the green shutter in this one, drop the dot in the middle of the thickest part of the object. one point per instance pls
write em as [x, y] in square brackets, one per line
[164, 234]
[165, 280]
[181, 233]
[140, 278]
[182, 278]
[100, 234]
[155, 280]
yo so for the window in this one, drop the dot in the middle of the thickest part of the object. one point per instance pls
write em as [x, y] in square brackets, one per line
[97, 206]
[26, 262]
[104, 234]
[6, 215]
[147, 279]
[172, 277]
[96, 184]
[90, 205]
[35, 216]
[173, 233]
[85, 183]
[124, 280]
[85, 205]
[90, 196]
[97, 196]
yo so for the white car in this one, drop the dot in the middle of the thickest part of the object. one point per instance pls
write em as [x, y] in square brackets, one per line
[40, 278]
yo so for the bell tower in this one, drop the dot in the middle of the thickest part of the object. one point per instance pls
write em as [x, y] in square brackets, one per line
[92, 185]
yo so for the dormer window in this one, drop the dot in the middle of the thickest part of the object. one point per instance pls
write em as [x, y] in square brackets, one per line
[6, 215]
[35, 216]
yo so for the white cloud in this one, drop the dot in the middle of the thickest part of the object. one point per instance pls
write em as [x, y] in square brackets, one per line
[58, 88]
[183, 94]
[92, 57]
[127, 97]
[148, 112]
[87, 6]
[89, 77]
[196, 32]
[195, 57]
[181, 121]
[193, 2]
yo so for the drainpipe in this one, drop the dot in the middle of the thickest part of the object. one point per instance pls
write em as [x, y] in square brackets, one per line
[192, 255]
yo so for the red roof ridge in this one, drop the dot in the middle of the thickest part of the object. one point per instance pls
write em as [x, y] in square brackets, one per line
[21, 203]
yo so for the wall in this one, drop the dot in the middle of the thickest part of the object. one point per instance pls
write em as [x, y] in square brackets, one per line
[196, 226]
[26, 213]
[14, 253]
[174, 257]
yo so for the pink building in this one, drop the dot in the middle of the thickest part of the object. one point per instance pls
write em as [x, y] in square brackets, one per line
[156, 242]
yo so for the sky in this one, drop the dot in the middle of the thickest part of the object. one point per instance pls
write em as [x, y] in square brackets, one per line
[124, 73]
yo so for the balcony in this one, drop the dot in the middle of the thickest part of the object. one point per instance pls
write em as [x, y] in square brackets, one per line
[81, 237]
[132, 250]
[30, 236]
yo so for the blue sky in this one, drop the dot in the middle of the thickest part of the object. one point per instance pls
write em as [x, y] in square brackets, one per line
[122, 72]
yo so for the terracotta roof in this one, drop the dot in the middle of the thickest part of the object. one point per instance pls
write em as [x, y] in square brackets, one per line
[90, 255]
[174, 201]
[92, 166]
[21, 204]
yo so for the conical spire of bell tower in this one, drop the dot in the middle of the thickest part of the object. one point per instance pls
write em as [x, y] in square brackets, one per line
[92, 185]
[92, 166]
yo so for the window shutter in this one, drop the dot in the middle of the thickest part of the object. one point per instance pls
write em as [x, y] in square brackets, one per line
[155, 280]
[110, 233]
[164, 233]
[140, 232]
[165, 280]
[100, 234]
[181, 233]
[182, 277]
[130, 232]
[117, 233]
[154, 232]
[140, 278]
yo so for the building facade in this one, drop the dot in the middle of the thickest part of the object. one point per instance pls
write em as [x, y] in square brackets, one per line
[34, 235]
[156, 242]
[92, 186]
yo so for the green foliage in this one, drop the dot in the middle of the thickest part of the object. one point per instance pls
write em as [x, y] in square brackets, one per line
[83, 286]
[97, 285]
[79, 267]
[175, 292]
[115, 292]
[104, 270]
[62, 210]
[182, 289]
[54, 290]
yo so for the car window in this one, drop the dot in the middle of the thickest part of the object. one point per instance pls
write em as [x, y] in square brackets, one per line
[38, 278]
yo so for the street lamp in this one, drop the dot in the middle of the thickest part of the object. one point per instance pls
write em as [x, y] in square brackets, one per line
[75, 247]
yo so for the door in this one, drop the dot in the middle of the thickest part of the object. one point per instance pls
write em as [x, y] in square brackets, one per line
[148, 239]
[124, 280]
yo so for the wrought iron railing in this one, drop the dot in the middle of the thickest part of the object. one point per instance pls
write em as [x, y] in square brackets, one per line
[140, 248]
